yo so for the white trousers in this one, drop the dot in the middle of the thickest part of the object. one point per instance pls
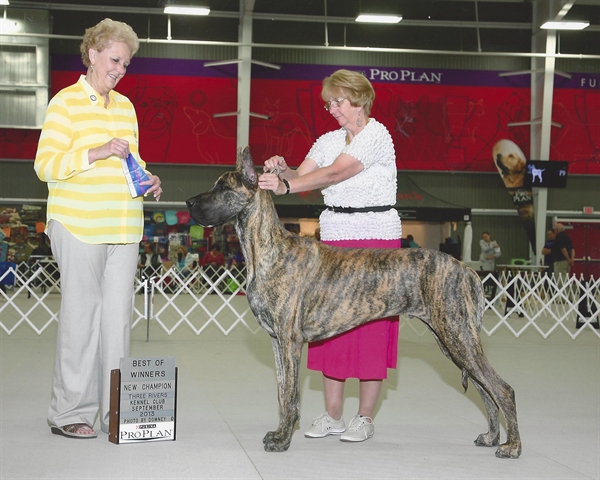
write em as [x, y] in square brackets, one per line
[94, 327]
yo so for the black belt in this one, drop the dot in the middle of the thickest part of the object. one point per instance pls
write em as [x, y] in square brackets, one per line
[382, 208]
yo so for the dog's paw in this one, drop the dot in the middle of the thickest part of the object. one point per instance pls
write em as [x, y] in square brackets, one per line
[276, 447]
[268, 438]
[487, 440]
[509, 450]
[275, 444]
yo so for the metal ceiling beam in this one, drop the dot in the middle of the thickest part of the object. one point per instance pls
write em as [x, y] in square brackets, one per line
[266, 16]
[337, 48]
[564, 10]
[404, 23]
[88, 8]
[299, 18]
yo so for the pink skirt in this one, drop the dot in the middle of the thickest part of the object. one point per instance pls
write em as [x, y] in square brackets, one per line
[365, 352]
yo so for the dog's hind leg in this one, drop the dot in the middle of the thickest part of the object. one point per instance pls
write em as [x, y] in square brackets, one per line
[287, 363]
[464, 348]
[495, 392]
[492, 437]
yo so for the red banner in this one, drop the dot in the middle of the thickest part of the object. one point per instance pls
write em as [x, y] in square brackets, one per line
[439, 120]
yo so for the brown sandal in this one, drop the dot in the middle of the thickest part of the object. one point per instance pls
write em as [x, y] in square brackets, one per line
[72, 431]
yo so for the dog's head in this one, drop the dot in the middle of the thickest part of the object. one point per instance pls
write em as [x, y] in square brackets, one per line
[230, 194]
[510, 162]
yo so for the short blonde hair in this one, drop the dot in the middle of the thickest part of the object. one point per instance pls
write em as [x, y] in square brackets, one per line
[100, 36]
[351, 85]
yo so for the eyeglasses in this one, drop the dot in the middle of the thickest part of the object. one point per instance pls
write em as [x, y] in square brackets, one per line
[333, 103]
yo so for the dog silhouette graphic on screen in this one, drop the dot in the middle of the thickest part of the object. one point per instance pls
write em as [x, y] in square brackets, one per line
[536, 173]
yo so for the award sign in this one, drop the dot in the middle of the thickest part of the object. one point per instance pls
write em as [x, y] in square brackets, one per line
[143, 400]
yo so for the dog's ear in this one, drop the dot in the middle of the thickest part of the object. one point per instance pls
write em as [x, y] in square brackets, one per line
[245, 166]
[503, 168]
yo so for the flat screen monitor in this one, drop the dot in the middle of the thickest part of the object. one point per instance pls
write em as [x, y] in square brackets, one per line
[546, 174]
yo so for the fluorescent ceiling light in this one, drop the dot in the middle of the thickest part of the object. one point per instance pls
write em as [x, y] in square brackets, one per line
[378, 18]
[181, 10]
[4, 2]
[565, 25]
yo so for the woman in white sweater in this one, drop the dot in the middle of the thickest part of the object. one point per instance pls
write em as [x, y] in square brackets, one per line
[355, 167]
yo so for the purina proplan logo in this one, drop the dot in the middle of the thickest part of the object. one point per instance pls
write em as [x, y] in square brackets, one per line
[403, 75]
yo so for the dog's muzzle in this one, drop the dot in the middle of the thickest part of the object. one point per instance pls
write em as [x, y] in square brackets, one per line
[190, 203]
[194, 208]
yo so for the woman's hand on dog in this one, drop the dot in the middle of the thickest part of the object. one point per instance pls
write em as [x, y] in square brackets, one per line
[270, 180]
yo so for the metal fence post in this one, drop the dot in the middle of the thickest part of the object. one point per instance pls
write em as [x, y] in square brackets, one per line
[148, 301]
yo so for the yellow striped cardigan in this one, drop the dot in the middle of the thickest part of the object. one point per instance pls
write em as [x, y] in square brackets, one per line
[91, 201]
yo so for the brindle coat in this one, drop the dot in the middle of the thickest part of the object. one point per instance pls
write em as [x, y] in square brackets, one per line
[301, 290]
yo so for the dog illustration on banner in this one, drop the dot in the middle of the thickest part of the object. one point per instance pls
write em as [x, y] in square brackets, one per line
[206, 128]
[512, 166]
[203, 128]
[155, 107]
[284, 130]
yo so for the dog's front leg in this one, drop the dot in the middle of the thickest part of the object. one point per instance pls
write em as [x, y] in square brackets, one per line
[287, 362]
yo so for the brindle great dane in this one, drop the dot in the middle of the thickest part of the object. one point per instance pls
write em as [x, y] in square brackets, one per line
[301, 290]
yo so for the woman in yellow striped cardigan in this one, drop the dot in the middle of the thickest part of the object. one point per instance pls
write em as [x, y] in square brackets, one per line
[94, 225]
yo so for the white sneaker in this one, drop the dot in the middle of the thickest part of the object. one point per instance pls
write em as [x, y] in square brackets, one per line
[360, 429]
[325, 425]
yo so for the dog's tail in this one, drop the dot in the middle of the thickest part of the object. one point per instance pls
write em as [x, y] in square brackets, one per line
[478, 298]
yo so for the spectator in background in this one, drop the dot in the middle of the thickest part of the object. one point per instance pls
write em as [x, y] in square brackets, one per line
[185, 261]
[213, 262]
[213, 258]
[149, 261]
[562, 249]
[411, 242]
[547, 251]
[490, 251]
[237, 259]
[43, 249]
